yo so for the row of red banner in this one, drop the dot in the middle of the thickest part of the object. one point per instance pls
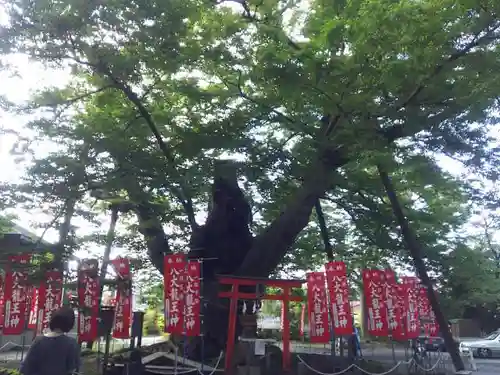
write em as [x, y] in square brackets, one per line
[88, 300]
[399, 310]
[332, 301]
[182, 295]
[16, 294]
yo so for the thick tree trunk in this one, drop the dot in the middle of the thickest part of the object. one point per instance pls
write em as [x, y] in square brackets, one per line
[226, 244]
[324, 230]
[110, 237]
[222, 244]
[416, 253]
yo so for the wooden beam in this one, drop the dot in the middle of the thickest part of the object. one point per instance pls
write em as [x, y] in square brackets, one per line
[247, 281]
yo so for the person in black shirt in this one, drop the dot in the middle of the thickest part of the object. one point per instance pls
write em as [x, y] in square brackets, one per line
[54, 353]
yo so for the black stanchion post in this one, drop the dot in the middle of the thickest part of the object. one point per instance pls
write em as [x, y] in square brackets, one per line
[137, 328]
[105, 326]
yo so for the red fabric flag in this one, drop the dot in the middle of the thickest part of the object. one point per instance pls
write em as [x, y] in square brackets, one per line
[392, 302]
[410, 285]
[423, 303]
[50, 297]
[399, 332]
[193, 300]
[373, 283]
[123, 312]
[2, 304]
[122, 267]
[319, 329]
[88, 300]
[173, 278]
[33, 308]
[123, 301]
[16, 297]
[426, 314]
[340, 308]
[302, 320]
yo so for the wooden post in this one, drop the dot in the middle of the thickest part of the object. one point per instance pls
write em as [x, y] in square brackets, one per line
[231, 332]
[286, 329]
[234, 295]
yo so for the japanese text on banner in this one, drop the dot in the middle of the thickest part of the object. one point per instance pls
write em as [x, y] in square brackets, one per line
[123, 310]
[373, 284]
[50, 297]
[193, 300]
[319, 329]
[426, 315]
[15, 296]
[392, 304]
[173, 278]
[88, 300]
[401, 297]
[340, 307]
[410, 285]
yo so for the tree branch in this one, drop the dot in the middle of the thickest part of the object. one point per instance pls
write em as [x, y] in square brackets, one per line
[324, 230]
[489, 243]
[476, 42]
[180, 193]
[66, 103]
[415, 249]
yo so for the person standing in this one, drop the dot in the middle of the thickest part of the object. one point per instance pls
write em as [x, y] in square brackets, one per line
[54, 353]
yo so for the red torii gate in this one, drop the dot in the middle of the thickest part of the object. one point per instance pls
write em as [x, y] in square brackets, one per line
[234, 295]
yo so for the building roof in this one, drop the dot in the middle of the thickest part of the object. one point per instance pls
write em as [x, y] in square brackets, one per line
[27, 235]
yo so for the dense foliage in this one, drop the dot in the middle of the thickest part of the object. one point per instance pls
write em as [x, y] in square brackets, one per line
[307, 97]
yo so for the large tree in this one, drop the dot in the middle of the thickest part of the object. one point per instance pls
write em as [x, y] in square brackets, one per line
[308, 96]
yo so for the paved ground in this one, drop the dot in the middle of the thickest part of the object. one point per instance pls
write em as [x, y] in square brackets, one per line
[18, 355]
[375, 352]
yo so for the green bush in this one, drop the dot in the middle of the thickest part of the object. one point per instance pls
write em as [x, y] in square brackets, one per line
[150, 326]
[160, 322]
[154, 322]
[9, 371]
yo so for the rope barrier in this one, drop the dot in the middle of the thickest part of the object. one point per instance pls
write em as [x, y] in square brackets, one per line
[372, 373]
[440, 357]
[183, 370]
[163, 372]
[215, 368]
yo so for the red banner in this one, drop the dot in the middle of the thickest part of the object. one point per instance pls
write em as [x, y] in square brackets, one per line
[302, 320]
[401, 296]
[426, 315]
[123, 310]
[193, 300]
[410, 285]
[88, 300]
[374, 283]
[173, 278]
[336, 276]
[33, 308]
[2, 295]
[122, 267]
[50, 297]
[16, 297]
[393, 307]
[319, 329]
